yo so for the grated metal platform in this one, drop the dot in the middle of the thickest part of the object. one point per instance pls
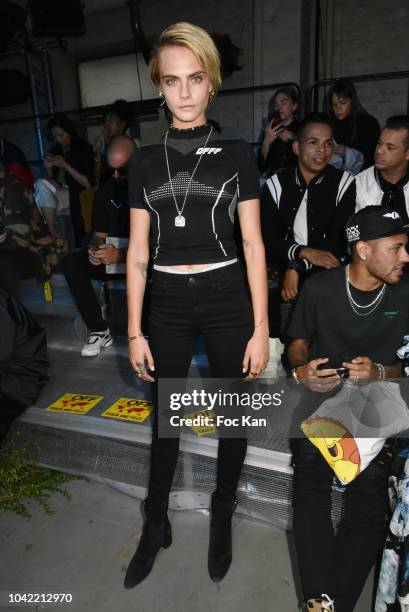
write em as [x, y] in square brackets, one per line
[116, 451]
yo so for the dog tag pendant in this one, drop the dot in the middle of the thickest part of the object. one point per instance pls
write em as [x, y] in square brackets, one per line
[180, 221]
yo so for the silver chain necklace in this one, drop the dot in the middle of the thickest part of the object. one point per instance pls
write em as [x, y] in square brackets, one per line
[354, 305]
[180, 220]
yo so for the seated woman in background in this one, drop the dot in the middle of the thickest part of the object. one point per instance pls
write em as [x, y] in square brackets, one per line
[356, 132]
[276, 151]
[70, 169]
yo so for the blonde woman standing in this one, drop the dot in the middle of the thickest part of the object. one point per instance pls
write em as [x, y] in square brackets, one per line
[184, 190]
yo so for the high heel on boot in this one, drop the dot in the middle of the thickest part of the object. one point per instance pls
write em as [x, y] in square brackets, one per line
[156, 534]
[220, 541]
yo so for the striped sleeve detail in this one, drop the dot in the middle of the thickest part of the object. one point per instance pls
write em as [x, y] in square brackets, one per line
[344, 183]
[274, 188]
[293, 250]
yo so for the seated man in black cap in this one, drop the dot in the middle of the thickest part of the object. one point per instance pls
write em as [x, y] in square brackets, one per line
[352, 317]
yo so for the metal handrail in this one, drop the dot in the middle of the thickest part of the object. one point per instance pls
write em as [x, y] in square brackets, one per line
[147, 107]
[311, 99]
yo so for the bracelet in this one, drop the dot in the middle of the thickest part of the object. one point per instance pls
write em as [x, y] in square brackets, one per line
[381, 371]
[294, 372]
[141, 335]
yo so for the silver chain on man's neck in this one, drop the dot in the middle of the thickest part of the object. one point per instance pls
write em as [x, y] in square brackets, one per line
[354, 305]
[180, 220]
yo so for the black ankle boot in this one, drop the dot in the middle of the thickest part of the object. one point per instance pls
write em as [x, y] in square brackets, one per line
[156, 534]
[220, 547]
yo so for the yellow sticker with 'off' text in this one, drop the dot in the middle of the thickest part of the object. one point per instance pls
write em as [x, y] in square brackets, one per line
[75, 403]
[129, 409]
[202, 422]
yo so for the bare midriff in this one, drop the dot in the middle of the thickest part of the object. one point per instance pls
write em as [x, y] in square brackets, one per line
[190, 267]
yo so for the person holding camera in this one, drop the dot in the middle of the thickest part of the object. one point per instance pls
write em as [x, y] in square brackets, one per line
[349, 319]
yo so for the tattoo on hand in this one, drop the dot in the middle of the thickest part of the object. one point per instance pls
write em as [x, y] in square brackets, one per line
[142, 267]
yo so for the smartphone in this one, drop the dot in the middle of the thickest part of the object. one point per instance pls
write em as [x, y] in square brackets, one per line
[96, 242]
[343, 372]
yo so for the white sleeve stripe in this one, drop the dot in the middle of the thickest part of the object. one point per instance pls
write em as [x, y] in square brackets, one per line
[291, 250]
[273, 184]
[344, 183]
[214, 206]
[157, 214]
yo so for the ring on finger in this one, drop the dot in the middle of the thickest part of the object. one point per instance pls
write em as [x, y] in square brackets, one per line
[254, 373]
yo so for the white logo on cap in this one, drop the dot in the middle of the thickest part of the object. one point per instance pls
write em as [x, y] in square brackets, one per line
[392, 215]
[353, 233]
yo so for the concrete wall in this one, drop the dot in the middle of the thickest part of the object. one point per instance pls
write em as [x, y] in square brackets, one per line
[276, 36]
[267, 31]
[368, 36]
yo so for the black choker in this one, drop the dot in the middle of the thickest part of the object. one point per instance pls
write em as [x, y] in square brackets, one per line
[192, 129]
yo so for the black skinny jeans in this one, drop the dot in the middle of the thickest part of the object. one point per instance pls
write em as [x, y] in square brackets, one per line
[337, 564]
[79, 272]
[216, 305]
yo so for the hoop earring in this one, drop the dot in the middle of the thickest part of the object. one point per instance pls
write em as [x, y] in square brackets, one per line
[212, 95]
[162, 97]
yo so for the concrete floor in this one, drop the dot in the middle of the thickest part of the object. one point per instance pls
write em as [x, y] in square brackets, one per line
[84, 548]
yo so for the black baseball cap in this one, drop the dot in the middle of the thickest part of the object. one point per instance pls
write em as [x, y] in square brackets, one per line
[375, 222]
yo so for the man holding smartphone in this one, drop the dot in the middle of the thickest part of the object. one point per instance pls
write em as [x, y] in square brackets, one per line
[352, 317]
[111, 218]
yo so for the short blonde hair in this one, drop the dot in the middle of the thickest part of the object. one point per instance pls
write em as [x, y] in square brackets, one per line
[198, 41]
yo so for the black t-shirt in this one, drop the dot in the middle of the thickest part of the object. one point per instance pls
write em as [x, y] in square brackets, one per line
[324, 316]
[393, 194]
[81, 158]
[280, 154]
[359, 131]
[111, 210]
[227, 174]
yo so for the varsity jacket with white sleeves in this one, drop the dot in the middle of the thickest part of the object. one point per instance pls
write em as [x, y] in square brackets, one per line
[369, 191]
[294, 214]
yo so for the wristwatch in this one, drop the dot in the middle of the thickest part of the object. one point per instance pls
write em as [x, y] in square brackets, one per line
[295, 264]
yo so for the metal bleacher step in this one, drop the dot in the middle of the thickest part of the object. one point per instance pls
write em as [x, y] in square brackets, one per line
[116, 451]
